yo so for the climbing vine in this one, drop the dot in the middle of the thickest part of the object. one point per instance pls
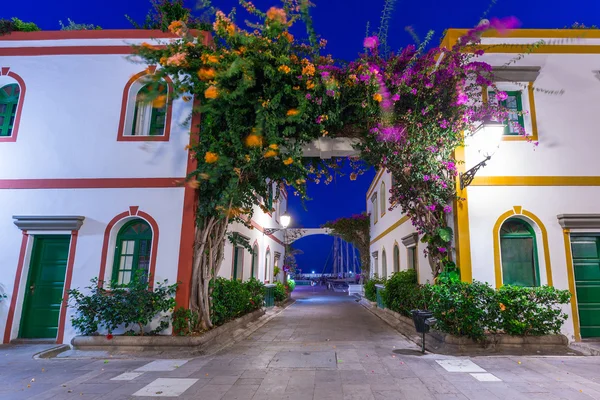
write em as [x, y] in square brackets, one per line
[264, 94]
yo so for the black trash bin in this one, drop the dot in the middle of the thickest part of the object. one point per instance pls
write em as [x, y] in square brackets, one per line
[419, 318]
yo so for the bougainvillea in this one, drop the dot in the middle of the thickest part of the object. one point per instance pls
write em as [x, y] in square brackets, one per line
[264, 94]
[355, 230]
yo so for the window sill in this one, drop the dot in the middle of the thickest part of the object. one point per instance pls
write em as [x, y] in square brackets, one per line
[131, 138]
[519, 138]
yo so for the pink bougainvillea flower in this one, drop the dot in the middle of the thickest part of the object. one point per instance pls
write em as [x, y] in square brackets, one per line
[176, 60]
[443, 124]
[462, 99]
[426, 177]
[371, 42]
[501, 96]
[502, 25]
[391, 134]
[442, 249]
[396, 97]
[447, 209]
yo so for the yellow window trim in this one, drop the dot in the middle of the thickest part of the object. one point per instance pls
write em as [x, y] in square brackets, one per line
[496, 233]
[571, 279]
[462, 238]
[391, 228]
[536, 181]
[374, 183]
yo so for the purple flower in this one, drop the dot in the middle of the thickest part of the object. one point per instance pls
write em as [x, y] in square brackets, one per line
[371, 42]
[431, 207]
[364, 78]
[330, 93]
[414, 91]
[447, 209]
[462, 99]
[396, 97]
[424, 111]
[443, 124]
[308, 96]
[426, 177]
[504, 24]
[442, 249]
[501, 96]
[325, 74]
[392, 134]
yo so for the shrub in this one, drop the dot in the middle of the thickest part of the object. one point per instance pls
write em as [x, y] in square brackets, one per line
[72, 26]
[370, 290]
[132, 304]
[16, 25]
[280, 292]
[291, 285]
[232, 298]
[185, 321]
[463, 309]
[401, 292]
[531, 311]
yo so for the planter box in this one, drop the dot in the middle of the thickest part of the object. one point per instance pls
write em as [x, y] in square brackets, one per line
[443, 343]
[197, 344]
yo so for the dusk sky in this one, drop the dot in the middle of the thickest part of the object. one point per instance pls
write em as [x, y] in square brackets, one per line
[342, 23]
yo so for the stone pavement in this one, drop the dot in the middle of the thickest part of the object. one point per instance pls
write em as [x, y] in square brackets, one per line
[324, 347]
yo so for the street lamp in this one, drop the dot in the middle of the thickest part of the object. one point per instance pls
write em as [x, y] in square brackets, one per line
[486, 140]
[285, 220]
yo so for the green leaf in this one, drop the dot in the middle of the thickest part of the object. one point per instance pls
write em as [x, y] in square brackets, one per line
[445, 234]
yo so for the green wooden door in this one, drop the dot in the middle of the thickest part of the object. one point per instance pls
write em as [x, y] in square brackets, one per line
[238, 257]
[45, 285]
[586, 262]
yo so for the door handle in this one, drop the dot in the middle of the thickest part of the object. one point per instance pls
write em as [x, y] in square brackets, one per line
[32, 288]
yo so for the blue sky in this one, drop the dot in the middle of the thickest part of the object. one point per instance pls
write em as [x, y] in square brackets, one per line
[342, 23]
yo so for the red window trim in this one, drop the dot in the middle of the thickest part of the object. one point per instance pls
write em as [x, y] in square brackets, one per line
[5, 71]
[121, 137]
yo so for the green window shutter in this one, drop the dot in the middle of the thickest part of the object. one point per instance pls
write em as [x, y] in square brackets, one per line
[396, 258]
[514, 103]
[254, 262]
[519, 254]
[9, 98]
[132, 254]
[383, 264]
[586, 265]
[157, 116]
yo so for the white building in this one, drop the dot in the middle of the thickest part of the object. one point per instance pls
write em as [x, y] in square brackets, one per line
[531, 216]
[91, 181]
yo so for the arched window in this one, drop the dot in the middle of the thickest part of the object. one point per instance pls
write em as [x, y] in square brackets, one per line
[518, 252]
[149, 117]
[267, 265]
[396, 258]
[383, 264]
[253, 269]
[9, 99]
[132, 254]
[382, 198]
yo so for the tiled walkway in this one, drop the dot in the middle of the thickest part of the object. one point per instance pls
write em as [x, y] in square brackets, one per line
[325, 346]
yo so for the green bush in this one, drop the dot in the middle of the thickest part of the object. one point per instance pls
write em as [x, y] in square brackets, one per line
[370, 290]
[401, 292]
[232, 298]
[72, 26]
[129, 305]
[531, 311]
[281, 292]
[185, 321]
[291, 285]
[463, 309]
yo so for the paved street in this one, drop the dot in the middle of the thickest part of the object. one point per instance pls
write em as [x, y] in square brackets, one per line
[324, 347]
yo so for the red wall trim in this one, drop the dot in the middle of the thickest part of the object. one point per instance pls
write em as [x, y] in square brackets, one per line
[188, 223]
[90, 183]
[153, 251]
[99, 34]
[65, 50]
[15, 292]
[23, 89]
[67, 286]
[121, 137]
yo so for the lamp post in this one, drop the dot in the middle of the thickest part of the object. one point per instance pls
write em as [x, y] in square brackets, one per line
[284, 220]
[486, 139]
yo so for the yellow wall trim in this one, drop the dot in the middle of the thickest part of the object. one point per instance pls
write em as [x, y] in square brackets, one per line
[462, 236]
[536, 181]
[374, 183]
[391, 228]
[534, 33]
[496, 236]
[571, 279]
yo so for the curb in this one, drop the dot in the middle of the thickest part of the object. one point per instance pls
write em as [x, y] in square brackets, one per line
[51, 353]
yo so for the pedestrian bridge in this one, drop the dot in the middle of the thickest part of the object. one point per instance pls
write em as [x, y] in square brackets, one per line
[293, 234]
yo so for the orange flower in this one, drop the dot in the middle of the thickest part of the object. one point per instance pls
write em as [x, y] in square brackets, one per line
[176, 60]
[274, 146]
[254, 140]
[502, 307]
[206, 74]
[308, 69]
[178, 28]
[300, 181]
[211, 157]
[194, 184]
[149, 46]
[211, 92]
[160, 101]
[377, 97]
[209, 59]
[288, 161]
[292, 112]
[204, 176]
[288, 36]
[162, 61]
[277, 15]
[285, 69]
[270, 153]
[353, 176]
[247, 157]
[310, 85]
[230, 29]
